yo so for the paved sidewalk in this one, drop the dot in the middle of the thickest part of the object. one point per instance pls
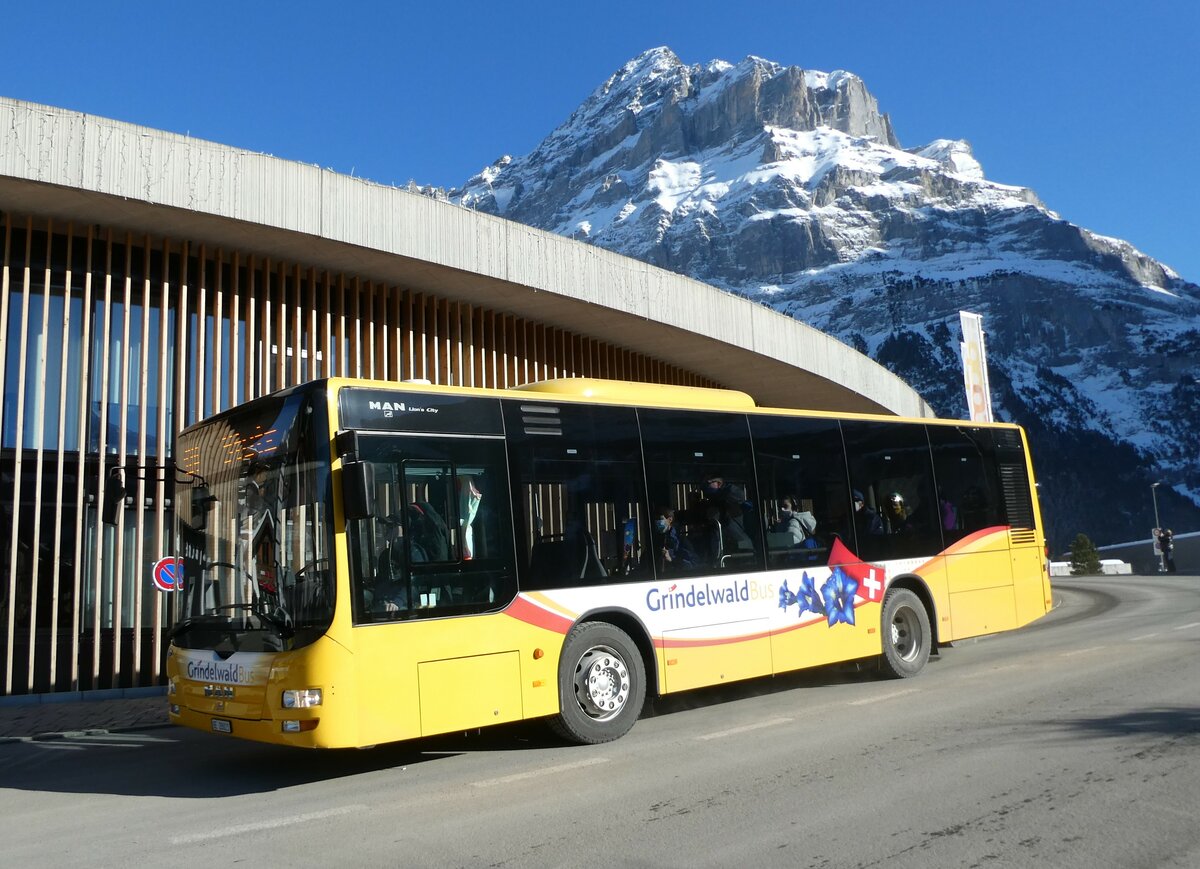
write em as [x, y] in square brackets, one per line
[47, 716]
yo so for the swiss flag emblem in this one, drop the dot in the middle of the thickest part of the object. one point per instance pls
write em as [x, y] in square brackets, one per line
[871, 579]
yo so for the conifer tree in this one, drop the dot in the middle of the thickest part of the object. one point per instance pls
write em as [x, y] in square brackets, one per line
[1084, 557]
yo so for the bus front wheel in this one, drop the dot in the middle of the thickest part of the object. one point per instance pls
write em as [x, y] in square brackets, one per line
[907, 639]
[601, 684]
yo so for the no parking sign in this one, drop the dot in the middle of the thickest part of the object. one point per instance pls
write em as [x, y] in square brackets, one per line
[168, 573]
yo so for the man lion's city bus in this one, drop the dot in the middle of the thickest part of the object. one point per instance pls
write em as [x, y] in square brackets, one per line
[364, 562]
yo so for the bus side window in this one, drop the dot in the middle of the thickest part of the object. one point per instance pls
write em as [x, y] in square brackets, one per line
[578, 494]
[801, 463]
[964, 460]
[700, 464]
[890, 465]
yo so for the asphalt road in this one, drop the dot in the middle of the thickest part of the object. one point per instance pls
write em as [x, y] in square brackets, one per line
[1073, 742]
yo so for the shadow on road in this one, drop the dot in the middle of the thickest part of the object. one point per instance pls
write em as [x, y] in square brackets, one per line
[173, 762]
[1164, 721]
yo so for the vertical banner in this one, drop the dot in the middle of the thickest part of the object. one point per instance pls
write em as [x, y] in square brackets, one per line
[975, 374]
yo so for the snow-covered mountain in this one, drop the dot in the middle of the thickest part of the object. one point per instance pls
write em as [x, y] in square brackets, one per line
[788, 186]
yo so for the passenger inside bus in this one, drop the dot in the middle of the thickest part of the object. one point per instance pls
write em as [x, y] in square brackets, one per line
[674, 551]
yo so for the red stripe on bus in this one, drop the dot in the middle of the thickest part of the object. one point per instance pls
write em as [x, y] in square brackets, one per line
[526, 611]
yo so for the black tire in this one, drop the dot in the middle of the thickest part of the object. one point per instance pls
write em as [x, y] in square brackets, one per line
[907, 639]
[601, 684]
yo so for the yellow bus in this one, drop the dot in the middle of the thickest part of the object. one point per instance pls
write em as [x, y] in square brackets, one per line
[362, 562]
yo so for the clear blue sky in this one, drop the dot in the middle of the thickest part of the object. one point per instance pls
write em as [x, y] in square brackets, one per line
[1095, 105]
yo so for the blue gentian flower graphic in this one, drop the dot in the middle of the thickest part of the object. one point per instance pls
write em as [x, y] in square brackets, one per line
[808, 597]
[786, 597]
[839, 592]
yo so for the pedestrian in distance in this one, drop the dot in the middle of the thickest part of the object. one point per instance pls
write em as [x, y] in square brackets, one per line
[1166, 542]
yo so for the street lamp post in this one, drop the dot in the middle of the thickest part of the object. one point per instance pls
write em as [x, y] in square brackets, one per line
[1154, 496]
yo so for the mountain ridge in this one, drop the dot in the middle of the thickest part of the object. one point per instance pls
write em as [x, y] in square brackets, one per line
[789, 187]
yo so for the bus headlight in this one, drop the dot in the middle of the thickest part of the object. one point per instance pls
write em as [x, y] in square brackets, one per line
[302, 698]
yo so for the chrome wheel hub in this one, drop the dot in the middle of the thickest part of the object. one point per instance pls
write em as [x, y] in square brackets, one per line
[601, 683]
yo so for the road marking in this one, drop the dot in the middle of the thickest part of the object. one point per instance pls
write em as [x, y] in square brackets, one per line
[267, 825]
[1145, 636]
[1082, 651]
[882, 697]
[535, 773]
[1185, 627]
[759, 725]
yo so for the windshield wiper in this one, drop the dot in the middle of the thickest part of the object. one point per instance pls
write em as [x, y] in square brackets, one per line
[282, 623]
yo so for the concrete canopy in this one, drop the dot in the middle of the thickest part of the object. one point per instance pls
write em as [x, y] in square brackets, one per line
[70, 166]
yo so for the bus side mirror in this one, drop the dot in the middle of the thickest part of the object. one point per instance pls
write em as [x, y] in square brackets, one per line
[114, 497]
[202, 500]
[358, 490]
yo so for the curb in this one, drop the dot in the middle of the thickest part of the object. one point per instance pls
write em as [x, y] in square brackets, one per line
[52, 735]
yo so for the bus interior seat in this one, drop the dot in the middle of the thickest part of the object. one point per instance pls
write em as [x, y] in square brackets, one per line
[777, 540]
[566, 555]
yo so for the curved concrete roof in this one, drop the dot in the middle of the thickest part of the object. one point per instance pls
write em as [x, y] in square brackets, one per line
[71, 166]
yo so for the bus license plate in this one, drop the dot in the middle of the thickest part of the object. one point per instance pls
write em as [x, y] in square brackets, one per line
[220, 725]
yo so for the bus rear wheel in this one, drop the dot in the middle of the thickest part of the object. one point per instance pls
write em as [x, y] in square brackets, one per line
[601, 684]
[907, 639]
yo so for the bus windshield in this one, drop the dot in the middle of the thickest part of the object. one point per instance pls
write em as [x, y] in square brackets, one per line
[254, 527]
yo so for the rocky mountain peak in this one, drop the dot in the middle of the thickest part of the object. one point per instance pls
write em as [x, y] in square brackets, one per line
[788, 186]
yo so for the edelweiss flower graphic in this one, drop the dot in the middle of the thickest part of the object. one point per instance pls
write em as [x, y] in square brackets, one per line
[809, 598]
[786, 598]
[839, 592]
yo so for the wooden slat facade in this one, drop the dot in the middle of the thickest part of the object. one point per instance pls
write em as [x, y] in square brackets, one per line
[110, 343]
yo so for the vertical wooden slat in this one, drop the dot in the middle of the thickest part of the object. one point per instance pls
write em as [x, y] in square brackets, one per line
[182, 345]
[421, 338]
[314, 342]
[343, 354]
[19, 428]
[251, 331]
[236, 360]
[164, 438]
[445, 374]
[4, 287]
[327, 357]
[429, 337]
[39, 417]
[297, 325]
[123, 436]
[139, 503]
[408, 370]
[461, 312]
[104, 349]
[467, 359]
[266, 369]
[59, 469]
[198, 364]
[475, 326]
[85, 360]
[369, 328]
[356, 331]
[396, 298]
[283, 309]
[220, 374]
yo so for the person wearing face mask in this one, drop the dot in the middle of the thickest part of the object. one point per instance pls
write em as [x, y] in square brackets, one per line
[789, 522]
[673, 550]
